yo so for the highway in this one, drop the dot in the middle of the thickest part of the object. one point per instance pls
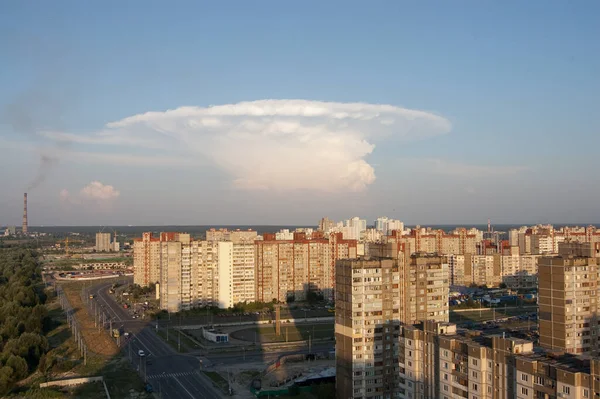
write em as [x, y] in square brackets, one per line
[172, 375]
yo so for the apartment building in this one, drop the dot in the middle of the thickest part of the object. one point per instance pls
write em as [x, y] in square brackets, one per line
[243, 266]
[196, 274]
[103, 243]
[516, 271]
[568, 300]
[288, 269]
[459, 242]
[436, 360]
[146, 257]
[386, 226]
[373, 297]
[545, 239]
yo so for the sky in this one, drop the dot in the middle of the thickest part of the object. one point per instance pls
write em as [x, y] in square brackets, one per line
[270, 112]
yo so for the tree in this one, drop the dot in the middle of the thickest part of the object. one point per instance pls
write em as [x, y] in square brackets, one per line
[19, 366]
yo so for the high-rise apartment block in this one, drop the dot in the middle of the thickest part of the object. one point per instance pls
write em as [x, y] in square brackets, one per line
[436, 360]
[459, 242]
[290, 268]
[568, 299]
[373, 298]
[196, 273]
[215, 272]
[545, 239]
[386, 226]
[103, 243]
[147, 257]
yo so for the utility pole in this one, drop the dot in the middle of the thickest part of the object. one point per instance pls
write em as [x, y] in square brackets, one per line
[179, 336]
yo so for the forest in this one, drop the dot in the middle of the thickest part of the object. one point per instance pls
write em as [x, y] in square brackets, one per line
[23, 316]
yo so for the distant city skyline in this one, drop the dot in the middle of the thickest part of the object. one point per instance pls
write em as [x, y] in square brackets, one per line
[428, 113]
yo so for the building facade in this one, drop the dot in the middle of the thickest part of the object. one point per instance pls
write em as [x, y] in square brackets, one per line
[289, 269]
[568, 300]
[103, 243]
[436, 360]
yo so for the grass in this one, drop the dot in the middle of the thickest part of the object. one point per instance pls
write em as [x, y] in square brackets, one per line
[289, 333]
[97, 341]
[218, 380]
[118, 373]
[187, 344]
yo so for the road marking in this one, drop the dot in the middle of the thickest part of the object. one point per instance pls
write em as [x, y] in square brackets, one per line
[111, 309]
[140, 341]
[184, 388]
[170, 375]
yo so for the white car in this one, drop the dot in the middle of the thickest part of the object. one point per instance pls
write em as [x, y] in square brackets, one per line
[141, 353]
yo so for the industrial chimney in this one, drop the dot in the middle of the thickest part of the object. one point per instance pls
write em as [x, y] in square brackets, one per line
[25, 213]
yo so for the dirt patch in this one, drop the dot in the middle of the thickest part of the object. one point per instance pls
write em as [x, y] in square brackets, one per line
[97, 341]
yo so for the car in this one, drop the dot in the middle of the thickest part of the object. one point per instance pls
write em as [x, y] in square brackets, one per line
[141, 353]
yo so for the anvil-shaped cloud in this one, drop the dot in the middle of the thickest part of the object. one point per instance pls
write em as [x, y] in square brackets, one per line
[271, 144]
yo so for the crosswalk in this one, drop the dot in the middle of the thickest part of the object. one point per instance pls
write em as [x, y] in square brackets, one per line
[169, 375]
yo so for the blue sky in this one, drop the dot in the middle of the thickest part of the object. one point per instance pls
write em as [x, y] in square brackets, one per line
[509, 93]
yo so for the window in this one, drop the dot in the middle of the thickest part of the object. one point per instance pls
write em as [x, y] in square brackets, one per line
[524, 391]
[474, 362]
[524, 377]
[566, 390]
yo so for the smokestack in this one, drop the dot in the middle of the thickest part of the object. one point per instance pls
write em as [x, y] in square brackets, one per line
[25, 213]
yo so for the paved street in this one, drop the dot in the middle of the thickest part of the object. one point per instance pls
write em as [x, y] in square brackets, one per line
[175, 375]
[171, 374]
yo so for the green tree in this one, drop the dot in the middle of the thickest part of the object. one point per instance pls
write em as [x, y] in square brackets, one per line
[19, 366]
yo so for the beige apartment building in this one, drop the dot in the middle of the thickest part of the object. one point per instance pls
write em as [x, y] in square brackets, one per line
[436, 360]
[103, 243]
[146, 257]
[197, 273]
[516, 271]
[437, 241]
[568, 300]
[290, 268]
[373, 298]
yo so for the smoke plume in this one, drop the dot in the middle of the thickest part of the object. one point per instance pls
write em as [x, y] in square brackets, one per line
[39, 106]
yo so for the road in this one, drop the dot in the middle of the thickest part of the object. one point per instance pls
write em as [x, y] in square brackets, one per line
[172, 375]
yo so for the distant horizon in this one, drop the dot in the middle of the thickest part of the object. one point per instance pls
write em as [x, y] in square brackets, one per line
[295, 225]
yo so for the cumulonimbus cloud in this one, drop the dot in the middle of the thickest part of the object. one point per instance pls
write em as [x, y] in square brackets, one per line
[271, 144]
[95, 191]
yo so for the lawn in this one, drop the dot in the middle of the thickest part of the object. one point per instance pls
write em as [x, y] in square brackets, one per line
[289, 333]
[186, 343]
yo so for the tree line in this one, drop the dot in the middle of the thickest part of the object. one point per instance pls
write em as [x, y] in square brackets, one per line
[23, 316]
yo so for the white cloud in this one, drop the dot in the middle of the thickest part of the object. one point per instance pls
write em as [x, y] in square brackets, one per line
[267, 144]
[93, 192]
[98, 191]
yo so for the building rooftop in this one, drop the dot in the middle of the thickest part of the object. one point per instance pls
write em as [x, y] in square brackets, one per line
[562, 361]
